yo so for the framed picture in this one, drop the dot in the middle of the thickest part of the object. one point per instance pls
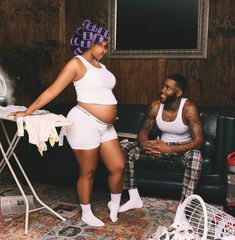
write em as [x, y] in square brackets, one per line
[158, 28]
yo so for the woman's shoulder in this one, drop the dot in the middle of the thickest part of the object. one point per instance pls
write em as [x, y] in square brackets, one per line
[75, 66]
[75, 62]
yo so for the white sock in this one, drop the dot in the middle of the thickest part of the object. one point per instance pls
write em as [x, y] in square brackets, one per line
[89, 218]
[114, 205]
[134, 202]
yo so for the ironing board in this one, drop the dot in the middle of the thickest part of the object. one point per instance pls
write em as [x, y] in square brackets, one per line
[12, 143]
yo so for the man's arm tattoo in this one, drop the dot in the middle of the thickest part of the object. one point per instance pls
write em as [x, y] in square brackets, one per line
[148, 121]
[195, 127]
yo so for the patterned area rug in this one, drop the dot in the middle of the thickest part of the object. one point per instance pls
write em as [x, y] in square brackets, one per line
[132, 225]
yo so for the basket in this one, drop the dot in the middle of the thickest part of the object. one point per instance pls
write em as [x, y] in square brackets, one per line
[207, 221]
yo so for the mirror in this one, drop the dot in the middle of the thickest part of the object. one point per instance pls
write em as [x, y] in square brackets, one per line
[158, 28]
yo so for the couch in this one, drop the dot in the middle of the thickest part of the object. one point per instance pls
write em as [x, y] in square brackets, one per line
[160, 178]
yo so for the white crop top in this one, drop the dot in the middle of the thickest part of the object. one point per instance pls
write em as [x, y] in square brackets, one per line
[96, 85]
[175, 131]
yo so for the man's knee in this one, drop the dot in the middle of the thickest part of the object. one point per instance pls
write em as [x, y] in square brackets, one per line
[193, 154]
[131, 150]
[193, 159]
[126, 144]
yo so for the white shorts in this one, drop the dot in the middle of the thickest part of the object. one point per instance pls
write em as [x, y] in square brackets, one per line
[87, 132]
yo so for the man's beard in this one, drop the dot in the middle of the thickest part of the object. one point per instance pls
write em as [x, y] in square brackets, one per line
[170, 99]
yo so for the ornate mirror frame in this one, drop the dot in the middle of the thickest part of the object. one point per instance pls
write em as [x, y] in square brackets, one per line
[200, 52]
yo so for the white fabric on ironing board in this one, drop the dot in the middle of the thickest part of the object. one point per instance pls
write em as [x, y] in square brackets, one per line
[41, 125]
[40, 128]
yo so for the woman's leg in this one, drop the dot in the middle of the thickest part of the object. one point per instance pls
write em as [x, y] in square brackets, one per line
[87, 161]
[114, 161]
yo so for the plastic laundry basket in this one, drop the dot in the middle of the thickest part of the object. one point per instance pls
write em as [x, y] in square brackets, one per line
[208, 222]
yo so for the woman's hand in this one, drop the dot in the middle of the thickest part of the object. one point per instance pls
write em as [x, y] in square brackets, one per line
[18, 114]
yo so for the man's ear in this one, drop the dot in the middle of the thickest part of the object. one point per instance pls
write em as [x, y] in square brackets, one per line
[179, 93]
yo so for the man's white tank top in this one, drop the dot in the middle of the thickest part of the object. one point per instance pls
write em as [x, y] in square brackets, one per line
[96, 85]
[175, 131]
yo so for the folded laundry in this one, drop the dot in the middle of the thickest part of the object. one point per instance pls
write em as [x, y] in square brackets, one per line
[39, 130]
[41, 126]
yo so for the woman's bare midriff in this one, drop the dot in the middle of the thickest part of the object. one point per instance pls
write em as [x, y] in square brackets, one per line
[105, 113]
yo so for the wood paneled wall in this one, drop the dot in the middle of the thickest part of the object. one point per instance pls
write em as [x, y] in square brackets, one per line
[34, 24]
[211, 81]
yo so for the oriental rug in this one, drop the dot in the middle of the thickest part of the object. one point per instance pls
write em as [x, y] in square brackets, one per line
[132, 225]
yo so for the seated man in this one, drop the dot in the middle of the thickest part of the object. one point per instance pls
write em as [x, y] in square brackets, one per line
[178, 120]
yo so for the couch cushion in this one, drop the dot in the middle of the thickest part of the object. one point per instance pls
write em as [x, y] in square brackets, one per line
[208, 146]
[209, 116]
[130, 117]
[172, 166]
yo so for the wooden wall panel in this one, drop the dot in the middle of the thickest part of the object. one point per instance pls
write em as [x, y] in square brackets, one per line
[34, 24]
[137, 81]
[211, 81]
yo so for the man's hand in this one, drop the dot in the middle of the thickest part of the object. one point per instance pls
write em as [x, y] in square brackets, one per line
[156, 147]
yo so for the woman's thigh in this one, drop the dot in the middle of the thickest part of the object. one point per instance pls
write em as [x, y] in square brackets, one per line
[112, 155]
[87, 159]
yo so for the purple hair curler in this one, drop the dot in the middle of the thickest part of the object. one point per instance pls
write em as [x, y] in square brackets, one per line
[85, 22]
[95, 28]
[79, 30]
[97, 38]
[78, 51]
[87, 35]
[86, 44]
[91, 27]
[74, 41]
[103, 31]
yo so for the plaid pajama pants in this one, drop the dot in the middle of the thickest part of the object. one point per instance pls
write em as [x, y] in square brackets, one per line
[190, 160]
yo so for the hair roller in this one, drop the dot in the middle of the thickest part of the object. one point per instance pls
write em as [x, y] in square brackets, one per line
[97, 38]
[95, 28]
[85, 22]
[78, 51]
[87, 35]
[91, 27]
[86, 44]
[103, 31]
[74, 41]
[79, 30]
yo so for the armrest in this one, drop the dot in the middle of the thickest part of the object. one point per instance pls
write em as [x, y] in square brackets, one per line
[225, 139]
